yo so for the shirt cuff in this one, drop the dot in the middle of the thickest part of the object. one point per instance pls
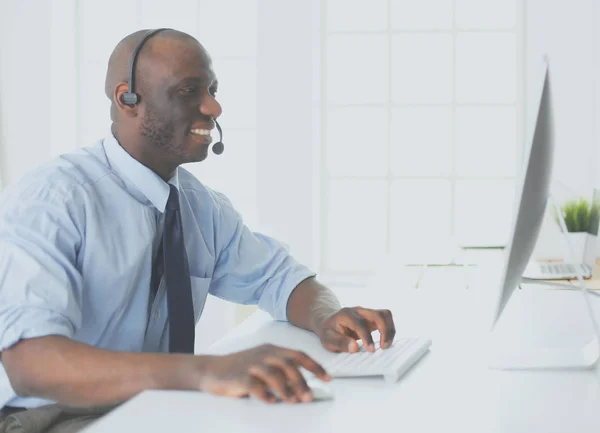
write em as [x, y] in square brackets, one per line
[31, 323]
[276, 303]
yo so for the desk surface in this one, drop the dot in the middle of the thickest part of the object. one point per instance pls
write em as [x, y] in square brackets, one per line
[450, 389]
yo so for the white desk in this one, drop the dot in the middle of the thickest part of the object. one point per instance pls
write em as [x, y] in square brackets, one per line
[450, 389]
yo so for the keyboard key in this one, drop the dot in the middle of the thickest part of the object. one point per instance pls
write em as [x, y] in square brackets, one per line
[375, 363]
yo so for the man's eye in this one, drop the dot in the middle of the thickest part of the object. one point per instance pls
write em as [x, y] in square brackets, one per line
[188, 90]
[213, 92]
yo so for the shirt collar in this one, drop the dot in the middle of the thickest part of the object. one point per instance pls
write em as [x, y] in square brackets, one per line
[147, 182]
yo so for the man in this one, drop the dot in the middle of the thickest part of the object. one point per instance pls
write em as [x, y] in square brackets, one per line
[85, 240]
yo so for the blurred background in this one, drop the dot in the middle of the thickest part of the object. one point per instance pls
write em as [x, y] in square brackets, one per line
[360, 133]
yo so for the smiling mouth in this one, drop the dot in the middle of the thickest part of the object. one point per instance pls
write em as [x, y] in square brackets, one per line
[201, 136]
[204, 132]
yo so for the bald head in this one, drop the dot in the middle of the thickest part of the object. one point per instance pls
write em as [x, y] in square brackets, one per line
[159, 48]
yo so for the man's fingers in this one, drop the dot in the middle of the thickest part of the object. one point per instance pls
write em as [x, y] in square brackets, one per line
[355, 322]
[338, 342]
[381, 320]
[275, 379]
[310, 364]
[350, 333]
[259, 389]
[296, 381]
[390, 332]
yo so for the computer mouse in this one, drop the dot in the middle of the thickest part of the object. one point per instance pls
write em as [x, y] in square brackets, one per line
[321, 391]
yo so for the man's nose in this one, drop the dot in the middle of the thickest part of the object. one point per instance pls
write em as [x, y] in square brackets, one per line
[210, 107]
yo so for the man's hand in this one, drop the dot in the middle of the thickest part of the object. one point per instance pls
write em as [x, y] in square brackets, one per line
[340, 331]
[260, 371]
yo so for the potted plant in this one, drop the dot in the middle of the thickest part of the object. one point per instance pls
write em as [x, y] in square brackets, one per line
[581, 219]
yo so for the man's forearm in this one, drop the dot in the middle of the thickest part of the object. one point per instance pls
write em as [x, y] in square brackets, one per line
[310, 304]
[76, 374]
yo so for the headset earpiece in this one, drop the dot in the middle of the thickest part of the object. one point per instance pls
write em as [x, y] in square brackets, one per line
[129, 98]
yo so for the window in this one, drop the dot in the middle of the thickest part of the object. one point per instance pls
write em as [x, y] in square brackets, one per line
[421, 107]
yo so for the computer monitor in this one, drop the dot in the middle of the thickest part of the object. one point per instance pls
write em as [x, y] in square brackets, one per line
[533, 190]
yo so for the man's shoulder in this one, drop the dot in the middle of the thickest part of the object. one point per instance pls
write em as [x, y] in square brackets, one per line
[61, 176]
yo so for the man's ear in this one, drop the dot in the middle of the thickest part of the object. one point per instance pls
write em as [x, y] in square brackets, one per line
[128, 110]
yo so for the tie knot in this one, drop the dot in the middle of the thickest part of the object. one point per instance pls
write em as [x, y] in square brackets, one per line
[173, 201]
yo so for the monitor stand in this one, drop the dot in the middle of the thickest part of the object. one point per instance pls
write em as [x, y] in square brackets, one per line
[553, 358]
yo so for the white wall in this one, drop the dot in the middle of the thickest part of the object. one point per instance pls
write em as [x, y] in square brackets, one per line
[287, 130]
[25, 82]
[596, 69]
[565, 31]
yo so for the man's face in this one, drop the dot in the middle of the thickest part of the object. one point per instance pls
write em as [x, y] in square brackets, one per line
[178, 101]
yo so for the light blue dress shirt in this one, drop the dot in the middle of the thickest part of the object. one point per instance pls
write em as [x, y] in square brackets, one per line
[77, 238]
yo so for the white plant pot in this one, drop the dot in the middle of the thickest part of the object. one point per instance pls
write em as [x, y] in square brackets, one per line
[583, 246]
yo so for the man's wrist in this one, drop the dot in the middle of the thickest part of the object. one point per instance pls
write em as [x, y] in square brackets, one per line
[311, 304]
[325, 305]
[185, 372]
[321, 314]
[203, 370]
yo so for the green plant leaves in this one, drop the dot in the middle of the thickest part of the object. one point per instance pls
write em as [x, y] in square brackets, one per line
[580, 216]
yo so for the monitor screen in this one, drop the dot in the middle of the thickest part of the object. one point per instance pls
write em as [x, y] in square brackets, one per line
[533, 189]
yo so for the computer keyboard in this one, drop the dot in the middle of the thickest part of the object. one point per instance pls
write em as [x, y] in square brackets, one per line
[558, 268]
[556, 271]
[391, 363]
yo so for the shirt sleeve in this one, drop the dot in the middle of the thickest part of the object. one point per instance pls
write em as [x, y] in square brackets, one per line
[253, 268]
[40, 285]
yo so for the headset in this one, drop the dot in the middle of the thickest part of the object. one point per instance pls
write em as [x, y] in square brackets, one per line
[132, 98]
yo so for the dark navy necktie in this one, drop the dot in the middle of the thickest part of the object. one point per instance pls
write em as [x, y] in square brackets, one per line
[177, 278]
